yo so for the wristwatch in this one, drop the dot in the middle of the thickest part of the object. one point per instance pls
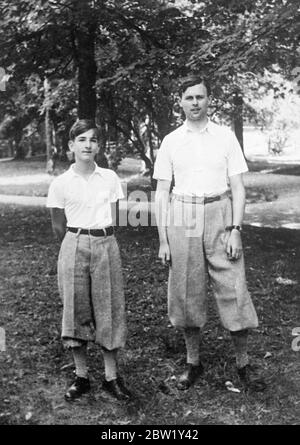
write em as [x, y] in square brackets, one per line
[239, 228]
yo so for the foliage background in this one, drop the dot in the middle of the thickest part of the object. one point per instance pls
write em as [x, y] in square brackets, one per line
[120, 61]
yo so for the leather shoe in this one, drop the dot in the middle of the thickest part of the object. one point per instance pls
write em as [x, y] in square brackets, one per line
[79, 386]
[117, 389]
[190, 376]
[256, 384]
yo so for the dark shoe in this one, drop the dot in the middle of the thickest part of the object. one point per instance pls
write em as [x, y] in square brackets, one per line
[117, 389]
[256, 384]
[190, 376]
[79, 386]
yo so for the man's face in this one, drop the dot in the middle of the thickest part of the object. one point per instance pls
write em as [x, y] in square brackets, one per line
[195, 102]
[85, 146]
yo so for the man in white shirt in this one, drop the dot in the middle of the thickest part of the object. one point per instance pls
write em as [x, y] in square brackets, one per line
[89, 265]
[200, 229]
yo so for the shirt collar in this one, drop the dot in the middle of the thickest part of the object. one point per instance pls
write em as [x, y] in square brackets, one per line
[98, 170]
[209, 127]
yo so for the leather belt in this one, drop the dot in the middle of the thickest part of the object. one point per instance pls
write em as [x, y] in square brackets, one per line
[107, 231]
[200, 199]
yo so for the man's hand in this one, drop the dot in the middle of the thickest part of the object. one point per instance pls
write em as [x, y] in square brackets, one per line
[164, 253]
[234, 245]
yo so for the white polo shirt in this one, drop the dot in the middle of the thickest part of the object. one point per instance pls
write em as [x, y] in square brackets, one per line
[86, 202]
[201, 161]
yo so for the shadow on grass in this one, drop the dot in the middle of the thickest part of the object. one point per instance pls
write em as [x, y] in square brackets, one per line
[292, 170]
[275, 168]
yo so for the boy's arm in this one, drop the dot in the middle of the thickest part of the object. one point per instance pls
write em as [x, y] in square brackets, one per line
[59, 222]
[234, 245]
[161, 213]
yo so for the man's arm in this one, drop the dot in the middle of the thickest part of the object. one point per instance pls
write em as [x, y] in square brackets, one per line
[161, 214]
[59, 222]
[234, 244]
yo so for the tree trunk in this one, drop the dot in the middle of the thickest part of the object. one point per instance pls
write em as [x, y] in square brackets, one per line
[10, 147]
[64, 145]
[48, 128]
[238, 118]
[19, 149]
[87, 71]
[101, 160]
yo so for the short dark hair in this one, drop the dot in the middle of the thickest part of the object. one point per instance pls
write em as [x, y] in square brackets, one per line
[81, 126]
[192, 80]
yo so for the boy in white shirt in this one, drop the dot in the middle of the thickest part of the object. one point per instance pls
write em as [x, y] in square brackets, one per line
[89, 264]
[200, 230]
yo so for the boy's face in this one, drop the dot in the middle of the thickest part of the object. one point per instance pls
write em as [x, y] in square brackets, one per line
[195, 102]
[85, 146]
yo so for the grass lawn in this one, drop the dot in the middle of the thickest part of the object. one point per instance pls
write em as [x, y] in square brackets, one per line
[27, 177]
[267, 183]
[264, 182]
[35, 370]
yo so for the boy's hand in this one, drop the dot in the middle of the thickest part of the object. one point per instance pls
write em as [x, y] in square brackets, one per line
[164, 253]
[234, 245]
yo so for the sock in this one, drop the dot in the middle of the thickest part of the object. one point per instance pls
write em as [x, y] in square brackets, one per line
[192, 342]
[110, 364]
[239, 339]
[79, 355]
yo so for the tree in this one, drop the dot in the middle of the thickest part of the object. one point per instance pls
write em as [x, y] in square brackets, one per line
[255, 35]
[120, 60]
[59, 38]
[20, 107]
[138, 77]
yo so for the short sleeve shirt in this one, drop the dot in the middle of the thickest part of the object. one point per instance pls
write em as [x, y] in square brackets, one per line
[200, 161]
[87, 203]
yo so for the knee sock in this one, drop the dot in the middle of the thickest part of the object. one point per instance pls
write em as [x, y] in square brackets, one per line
[192, 342]
[239, 339]
[79, 355]
[110, 364]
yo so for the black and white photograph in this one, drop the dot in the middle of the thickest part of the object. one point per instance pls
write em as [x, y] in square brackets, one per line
[149, 216]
